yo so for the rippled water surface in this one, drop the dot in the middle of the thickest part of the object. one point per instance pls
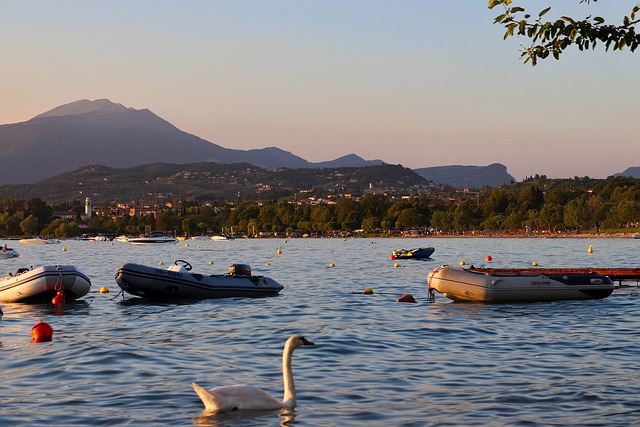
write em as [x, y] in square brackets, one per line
[376, 361]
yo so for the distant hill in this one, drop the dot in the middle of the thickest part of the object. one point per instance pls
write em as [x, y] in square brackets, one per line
[213, 181]
[101, 132]
[633, 172]
[468, 176]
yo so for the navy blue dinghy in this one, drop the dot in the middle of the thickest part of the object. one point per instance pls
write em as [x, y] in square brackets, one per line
[417, 253]
[178, 282]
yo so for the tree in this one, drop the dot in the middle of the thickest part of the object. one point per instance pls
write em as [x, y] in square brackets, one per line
[553, 37]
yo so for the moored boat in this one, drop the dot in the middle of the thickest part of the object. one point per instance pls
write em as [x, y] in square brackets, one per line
[155, 238]
[416, 253]
[487, 285]
[178, 282]
[38, 241]
[8, 252]
[40, 284]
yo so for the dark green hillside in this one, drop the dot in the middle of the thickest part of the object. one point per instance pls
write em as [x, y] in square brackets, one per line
[213, 181]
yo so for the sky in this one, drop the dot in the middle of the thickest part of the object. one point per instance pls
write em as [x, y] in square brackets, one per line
[420, 83]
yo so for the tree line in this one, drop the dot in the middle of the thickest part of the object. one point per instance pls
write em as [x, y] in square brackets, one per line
[535, 205]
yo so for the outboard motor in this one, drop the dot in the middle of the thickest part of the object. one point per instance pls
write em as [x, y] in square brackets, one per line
[239, 270]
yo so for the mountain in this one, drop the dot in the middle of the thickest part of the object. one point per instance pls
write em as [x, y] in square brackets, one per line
[468, 176]
[101, 132]
[633, 172]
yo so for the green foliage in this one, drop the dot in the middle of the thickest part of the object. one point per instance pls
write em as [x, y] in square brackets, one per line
[552, 38]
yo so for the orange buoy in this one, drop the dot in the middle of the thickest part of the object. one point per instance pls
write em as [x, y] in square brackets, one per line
[59, 298]
[406, 298]
[489, 259]
[41, 332]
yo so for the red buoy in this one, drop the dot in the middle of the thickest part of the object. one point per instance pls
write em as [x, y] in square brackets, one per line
[41, 332]
[489, 258]
[59, 298]
[406, 298]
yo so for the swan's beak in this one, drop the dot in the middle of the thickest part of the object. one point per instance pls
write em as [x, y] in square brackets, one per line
[307, 342]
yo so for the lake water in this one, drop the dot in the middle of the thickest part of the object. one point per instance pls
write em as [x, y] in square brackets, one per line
[376, 362]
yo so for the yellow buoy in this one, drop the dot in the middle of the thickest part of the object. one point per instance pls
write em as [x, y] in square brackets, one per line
[590, 250]
[104, 290]
[368, 291]
[186, 245]
[461, 262]
[396, 265]
[332, 265]
[210, 262]
[535, 264]
[64, 248]
[161, 263]
[267, 264]
[279, 250]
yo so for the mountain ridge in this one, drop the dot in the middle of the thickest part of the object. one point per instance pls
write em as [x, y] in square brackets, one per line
[101, 132]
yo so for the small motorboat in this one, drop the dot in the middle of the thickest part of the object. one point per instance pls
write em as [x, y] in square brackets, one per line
[155, 238]
[514, 285]
[417, 253]
[38, 241]
[41, 284]
[8, 252]
[178, 282]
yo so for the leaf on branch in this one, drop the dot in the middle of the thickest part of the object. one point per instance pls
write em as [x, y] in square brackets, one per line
[544, 12]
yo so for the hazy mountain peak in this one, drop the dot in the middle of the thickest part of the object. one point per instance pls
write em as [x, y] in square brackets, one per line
[84, 106]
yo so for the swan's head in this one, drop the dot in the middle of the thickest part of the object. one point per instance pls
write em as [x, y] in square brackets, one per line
[296, 341]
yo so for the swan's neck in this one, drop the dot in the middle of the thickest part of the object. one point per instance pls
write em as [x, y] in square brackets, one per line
[289, 399]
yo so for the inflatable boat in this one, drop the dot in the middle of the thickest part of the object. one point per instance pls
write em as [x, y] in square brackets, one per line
[178, 282]
[495, 286]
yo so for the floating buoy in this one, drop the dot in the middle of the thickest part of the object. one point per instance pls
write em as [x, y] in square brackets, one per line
[267, 264]
[161, 263]
[279, 250]
[332, 265]
[461, 262]
[590, 250]
[368, 291]
[41, 332]
[406, 298]
[64, 249]
[104, 290]
[59, 298]
[198, 246]
[210, 262]
[489, 259]
[535, 264]
[396, 265]
[186, 245]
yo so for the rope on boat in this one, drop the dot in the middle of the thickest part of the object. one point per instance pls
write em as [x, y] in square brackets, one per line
[59, 284]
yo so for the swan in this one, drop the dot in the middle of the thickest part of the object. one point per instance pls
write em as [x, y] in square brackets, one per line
[245, 397]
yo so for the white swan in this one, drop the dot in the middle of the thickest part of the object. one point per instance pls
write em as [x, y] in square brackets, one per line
[245, 397]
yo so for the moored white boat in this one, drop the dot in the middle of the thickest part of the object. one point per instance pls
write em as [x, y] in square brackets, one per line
[8, 252]
[40, 284]
[178, 282]
[38, 241]
[155, 238]
[485, 285]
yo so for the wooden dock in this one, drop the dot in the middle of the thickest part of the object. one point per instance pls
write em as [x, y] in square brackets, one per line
[615, 274]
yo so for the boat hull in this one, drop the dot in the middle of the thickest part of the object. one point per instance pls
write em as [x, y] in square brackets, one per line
[41, 284]
[460, 284]
[9, 253]
[156, 283]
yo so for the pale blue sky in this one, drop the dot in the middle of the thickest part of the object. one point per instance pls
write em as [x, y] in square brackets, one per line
[416, 82]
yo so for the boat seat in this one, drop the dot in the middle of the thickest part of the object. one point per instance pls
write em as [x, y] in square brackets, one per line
[178, 268]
